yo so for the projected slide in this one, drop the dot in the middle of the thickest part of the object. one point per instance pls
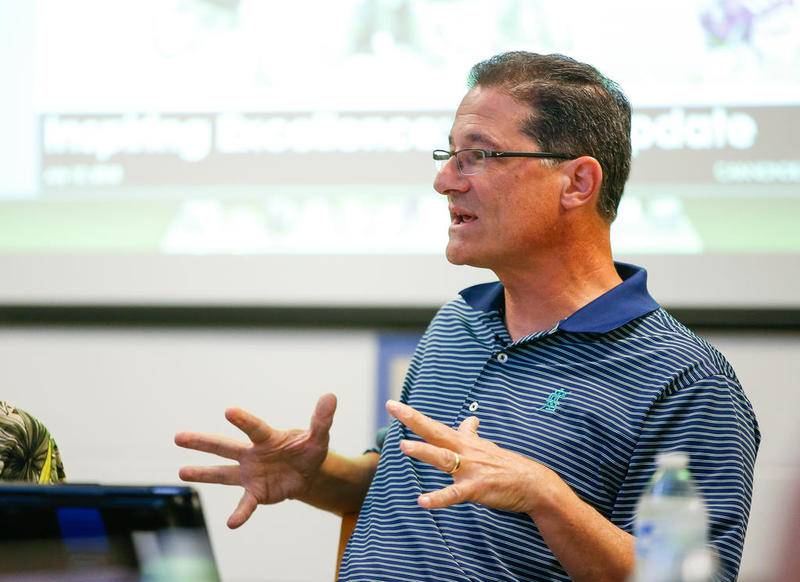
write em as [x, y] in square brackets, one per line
[248, 127]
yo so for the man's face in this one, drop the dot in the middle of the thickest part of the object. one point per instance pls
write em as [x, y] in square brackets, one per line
[503, 216]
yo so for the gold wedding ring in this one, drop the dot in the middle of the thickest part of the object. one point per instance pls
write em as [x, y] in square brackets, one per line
[456, 465]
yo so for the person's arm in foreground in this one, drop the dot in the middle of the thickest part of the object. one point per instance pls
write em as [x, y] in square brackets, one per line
[588, 546]
[283, 464]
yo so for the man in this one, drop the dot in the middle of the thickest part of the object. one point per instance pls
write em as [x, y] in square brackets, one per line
[534, 407]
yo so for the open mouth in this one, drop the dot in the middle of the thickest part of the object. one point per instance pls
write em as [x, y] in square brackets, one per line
[463, 218]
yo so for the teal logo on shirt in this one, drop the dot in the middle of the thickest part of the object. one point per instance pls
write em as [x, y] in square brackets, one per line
[555, 398]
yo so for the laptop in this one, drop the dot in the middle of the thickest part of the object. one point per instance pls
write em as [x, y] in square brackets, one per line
[98, 533]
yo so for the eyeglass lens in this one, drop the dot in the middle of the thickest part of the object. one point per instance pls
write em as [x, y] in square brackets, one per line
[469, 162]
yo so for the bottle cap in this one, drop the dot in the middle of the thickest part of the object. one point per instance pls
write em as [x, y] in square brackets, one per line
[673, 460]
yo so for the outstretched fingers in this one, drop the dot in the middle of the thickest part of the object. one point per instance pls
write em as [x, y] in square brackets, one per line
[432, 431]
[223, 475]
[442, 459]
[452, 495]
[247, 505]
[216, 445]
[469, 425]
[322, 418]
[256, 429]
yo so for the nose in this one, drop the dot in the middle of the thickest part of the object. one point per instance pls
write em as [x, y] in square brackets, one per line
[449, 180]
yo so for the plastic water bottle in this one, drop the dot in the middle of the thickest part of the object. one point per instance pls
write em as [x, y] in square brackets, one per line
[672, 527]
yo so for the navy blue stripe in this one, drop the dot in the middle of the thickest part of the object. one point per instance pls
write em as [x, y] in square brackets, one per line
[644, 387]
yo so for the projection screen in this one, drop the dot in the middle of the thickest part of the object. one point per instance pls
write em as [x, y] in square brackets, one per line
[246, 152]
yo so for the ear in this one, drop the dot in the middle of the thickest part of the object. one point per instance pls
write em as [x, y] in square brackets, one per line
[584, 177]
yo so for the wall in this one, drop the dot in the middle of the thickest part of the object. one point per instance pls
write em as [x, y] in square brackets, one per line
[114, 397]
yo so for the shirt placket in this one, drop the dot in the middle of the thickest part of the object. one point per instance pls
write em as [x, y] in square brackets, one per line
[502, 351]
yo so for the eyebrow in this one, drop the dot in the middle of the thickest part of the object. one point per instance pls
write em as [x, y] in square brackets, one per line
[477, 139]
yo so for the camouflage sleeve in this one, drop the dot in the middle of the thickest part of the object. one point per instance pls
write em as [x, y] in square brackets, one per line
[27, 450]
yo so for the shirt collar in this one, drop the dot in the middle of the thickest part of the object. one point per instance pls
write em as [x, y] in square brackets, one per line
[614, 308]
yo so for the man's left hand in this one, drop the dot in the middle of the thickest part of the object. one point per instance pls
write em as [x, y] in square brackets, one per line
[486, 473]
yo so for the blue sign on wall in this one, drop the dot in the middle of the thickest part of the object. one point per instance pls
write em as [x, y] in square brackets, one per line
[394, 354]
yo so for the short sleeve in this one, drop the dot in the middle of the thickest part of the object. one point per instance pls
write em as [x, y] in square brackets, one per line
[714, 423]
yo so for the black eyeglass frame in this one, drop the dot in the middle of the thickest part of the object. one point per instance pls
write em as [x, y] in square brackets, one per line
[445, 155]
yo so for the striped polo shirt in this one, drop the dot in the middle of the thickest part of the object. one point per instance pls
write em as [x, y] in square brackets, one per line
[595, 399]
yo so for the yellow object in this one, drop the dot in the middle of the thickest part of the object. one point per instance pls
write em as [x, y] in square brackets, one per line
[44, 476]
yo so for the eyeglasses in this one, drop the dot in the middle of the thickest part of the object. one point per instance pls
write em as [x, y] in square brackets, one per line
[472, 161]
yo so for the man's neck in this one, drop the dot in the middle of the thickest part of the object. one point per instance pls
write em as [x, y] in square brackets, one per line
[547, 291]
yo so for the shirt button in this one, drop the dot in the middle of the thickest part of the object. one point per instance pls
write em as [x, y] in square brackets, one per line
[473, 407]
[502, 357]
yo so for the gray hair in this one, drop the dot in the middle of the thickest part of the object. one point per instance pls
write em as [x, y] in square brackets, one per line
[574, 109]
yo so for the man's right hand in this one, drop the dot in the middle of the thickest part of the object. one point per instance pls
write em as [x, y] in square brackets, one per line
[274, 466]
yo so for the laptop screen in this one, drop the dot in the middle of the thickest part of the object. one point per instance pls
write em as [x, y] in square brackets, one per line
[90, 533]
